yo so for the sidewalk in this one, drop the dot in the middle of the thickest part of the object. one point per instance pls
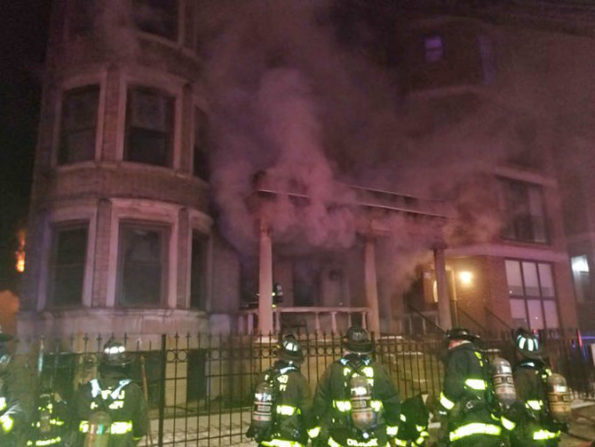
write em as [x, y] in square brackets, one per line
[583, 424]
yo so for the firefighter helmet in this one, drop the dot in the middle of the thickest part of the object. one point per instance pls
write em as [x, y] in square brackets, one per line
[527, 344]
[290, 349]
[460, 333]
[358, 340]
[114, 354]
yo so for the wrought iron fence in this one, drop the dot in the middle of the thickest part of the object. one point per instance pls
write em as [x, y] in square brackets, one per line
[199, 387]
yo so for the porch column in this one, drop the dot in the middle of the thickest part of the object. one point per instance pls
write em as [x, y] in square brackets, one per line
[371, 286]
[442, 288]
[265, 281]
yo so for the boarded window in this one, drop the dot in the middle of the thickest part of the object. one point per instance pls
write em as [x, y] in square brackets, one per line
[142, 264]
[79, 125]
[159, 17]
[198, 271]
[200, 150]
[67, 265]
[149, 127]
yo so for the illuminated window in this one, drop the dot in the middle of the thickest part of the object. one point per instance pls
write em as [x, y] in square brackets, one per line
[524, 211]
[79, 125]
[149, 127]
[159, 17]
[532, 294]
[67, 265]
[142, 272]
[198, 271]
[434, 49]
[201, 149]
[581, 277]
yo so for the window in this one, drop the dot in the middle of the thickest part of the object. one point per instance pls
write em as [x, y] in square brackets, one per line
[581, 277]
[198, 271]
[532, 294]
[149, 127]
[524, 212]
[201, 152]
[434, 49]
[142, 264]
[79, 125]
[159, 17]
[67, 265]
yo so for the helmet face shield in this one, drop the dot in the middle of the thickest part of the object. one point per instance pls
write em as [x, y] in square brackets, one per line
[115, 355]
[358, 340]
[290, 349]
[527, 344]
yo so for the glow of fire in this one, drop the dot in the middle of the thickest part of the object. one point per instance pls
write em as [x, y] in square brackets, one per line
[20, 253]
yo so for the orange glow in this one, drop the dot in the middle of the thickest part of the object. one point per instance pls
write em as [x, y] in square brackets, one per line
[466, 278]
[20, 253]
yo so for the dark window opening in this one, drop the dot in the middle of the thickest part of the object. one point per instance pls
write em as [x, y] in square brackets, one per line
[79, 125]
[142, 265]
[198, 271]
[149, 127]
[524, 211]
[201, 151]
[67, 266]
[434, 48]
[159, 17]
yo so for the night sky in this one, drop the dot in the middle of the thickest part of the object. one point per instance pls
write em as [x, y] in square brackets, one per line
[23, 31]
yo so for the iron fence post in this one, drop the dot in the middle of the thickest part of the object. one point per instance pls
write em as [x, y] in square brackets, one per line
[163, 359]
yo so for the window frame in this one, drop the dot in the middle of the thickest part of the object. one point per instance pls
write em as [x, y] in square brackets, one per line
[196, 110]
[166, 235]
[180, 30]
[504, 183]
[171, 134]
[56, 228]
[541, 298]
[62, 132]
[433, 50]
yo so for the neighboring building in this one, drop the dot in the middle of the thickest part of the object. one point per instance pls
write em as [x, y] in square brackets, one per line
[122, 236]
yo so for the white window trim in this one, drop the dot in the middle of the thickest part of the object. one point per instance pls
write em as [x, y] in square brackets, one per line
[150, 212]
[64, 216]
[83, 80]
[201, 223]
[173, 86]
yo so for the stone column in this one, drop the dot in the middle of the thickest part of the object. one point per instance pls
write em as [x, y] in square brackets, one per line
[184, 254]
[101, 263]
[442, 289]
[371, 286]
[265, 280]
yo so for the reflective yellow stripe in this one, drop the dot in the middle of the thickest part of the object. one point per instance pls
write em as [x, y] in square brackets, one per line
[286, 410]
[3, 403]
[314, 432]
[392, 430]
[376, 405]
[446, 402]
[400, 442]
[281, 443]
[7, 422]
[342, 405]
[420, 440]
[119, 428]
[44, 442]
[508, 424]
[534, 404]
[419, 427]
[84, 427]
[403, 417]
[541, 435]
[368, 371]
[476, 384]
[355, 443]
[474, 428]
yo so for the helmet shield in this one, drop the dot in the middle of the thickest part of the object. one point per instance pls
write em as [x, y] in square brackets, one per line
[290, 349]
[527, 344]
[460, 333]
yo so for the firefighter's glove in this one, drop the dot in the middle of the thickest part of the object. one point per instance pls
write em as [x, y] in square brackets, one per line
[250, 432]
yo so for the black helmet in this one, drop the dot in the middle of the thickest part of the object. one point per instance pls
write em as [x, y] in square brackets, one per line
[357, 340]
[527, 344]
[114, 354]
[290, 349]
[460, 333]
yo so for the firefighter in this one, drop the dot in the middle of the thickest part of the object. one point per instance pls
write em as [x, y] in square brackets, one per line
[49, 426]
[283, 403]
[110, 410]
[356, 403]
[12, 416]
[535, 423]
[413, 427]
[467, 399]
